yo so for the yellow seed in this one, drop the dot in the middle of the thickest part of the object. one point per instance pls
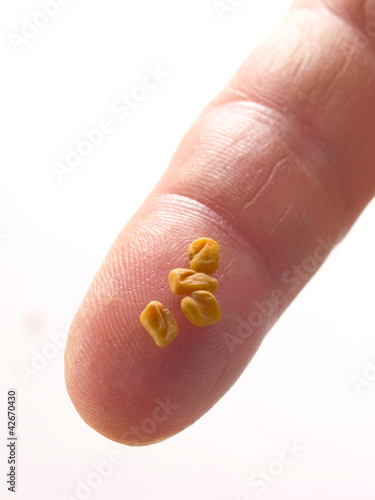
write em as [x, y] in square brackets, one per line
[204, 255]
[186, 281]
[159, 323]
[201, 308]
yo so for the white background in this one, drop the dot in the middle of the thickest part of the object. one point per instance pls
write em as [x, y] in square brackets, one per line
[54, 236]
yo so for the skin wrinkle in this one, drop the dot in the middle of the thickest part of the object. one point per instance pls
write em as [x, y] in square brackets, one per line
[232, 154]
[340, 74]
[239, 142]
[267, 111]
[284, 108]
[345, 103]
[282, 218]
[215, 160]
[310, 135]
[355, 19]
[238, 94]
[297, 56]
[281, 50]
[357, 66]
[364, 84]
[269, 180]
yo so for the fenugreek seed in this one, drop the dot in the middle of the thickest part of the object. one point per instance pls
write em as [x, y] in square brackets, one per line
[187, 281]
[204, 255]
[201, 308]
[159, 323]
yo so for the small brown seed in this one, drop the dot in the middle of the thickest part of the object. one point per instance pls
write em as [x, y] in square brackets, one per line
[187, 281]
[204, 255]
[159, 323]
[201, 308]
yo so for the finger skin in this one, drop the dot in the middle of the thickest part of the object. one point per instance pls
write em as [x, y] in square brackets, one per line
[276, 169]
